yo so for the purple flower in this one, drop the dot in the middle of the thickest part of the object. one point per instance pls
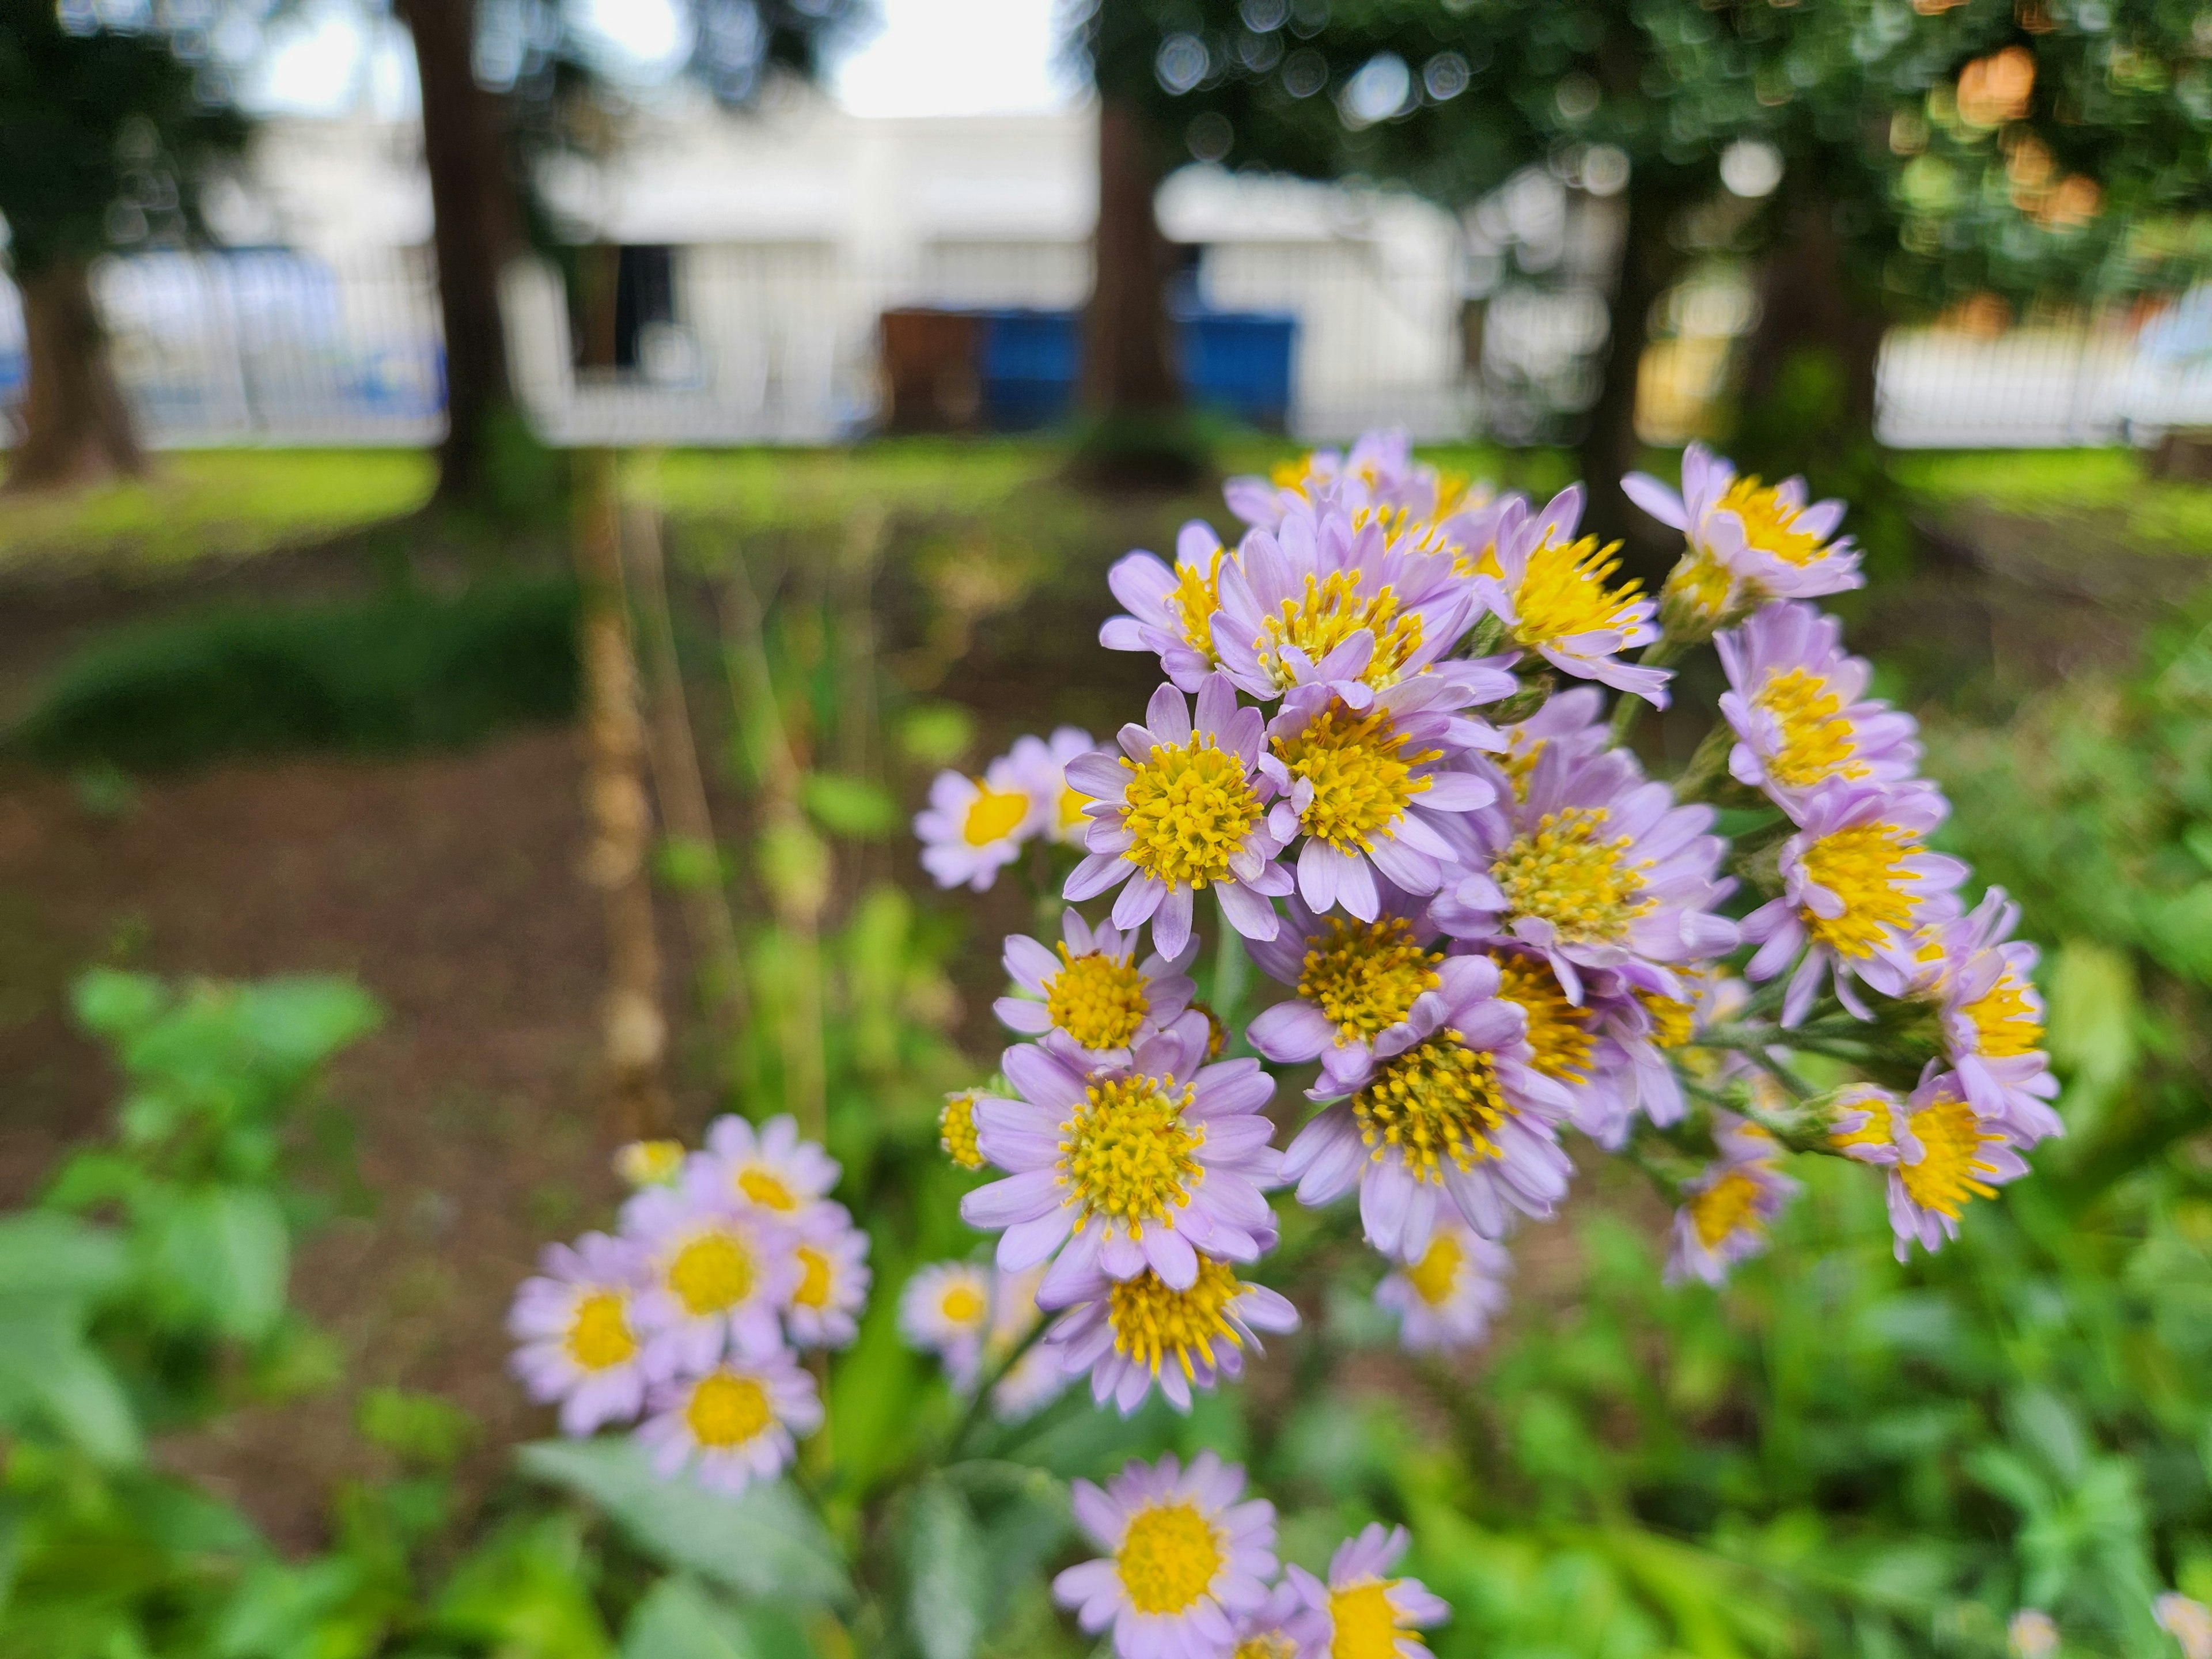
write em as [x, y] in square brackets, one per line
[1380, 472]
[1362, 1611]
[945, 1309]
[1446, 1300]
[1549, 589]
[975, 827]
[770, 1166]
[1171, 611]
[1040, 764]
[1727, 1211]
[580, 1344]
[1747, 542]
[1355, 982]
[1093, 999]
[1448, 1103]
[735, 1423]
[1183, 1559]
[1993, 1018]
[1571, 721]
[720, 1272]
[1796, 702]
[1142, 1168]
[832, 1283]
[1131, 1334]
[1183, 810]
[1857, 882]
[1948, 1155]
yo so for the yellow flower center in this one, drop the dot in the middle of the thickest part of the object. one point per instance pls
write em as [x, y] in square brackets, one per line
[1875, 1132]
[1704, 586]
[1269, 1645]
[955, 1131]
[712, 1273]
[1361, 777]
[1864, 867]
[1188, 809]
[1673, 1022]
[766, 1188]
[1439, 1100]
[1332, 610]
[1217, 1033]
[1817, 741]
[1126, 1153]
[1167, 1558]
[599, 1331]
[1197, 596]
[1072, 803]
[1558, 1031]
[1729, 1205]
[1768, 523]
[1151, 1322]
[814, 1278]
[2005, 1022]
[1366, 1624]
[727, 1410]
[961, 1304]
[1563, 592]
[1951, 1139]
[1098, 1001]
[649, 1162]
[1572, 875]
[1365, 975]
[1518, 761]
[993, 815]
[1436, 1275]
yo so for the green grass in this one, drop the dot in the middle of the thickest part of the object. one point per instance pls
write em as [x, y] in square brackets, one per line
[216, 504]
[2111, 485]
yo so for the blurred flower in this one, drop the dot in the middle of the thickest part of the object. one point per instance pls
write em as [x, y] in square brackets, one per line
[1865, 1122]
[1948, 1156]
[1186, 811]
[2032, 1635]
[975, 827]
[579, 1343]
[1747, 543]
[1727, 1211]
[1450, 1102]
[1446, 1300]
[1356, 981]
[1134, 1333]
[1089, 998]
[1380, 471]
[945, 1309]
[1361, 1613]
[1549, 589]
[956, 1129]
[832, 1278]
[1267, 1634]
[1184, 1560]
[735, 1424]
[1795, 702]
[1035, 1378]
[1993, 1017]
[2188, 1622]
[649, 1162]
[770, 1166]
[719, 1271]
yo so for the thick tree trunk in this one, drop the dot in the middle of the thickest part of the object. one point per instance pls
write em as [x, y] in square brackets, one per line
[1128, 362]
[76, 428]
[1649, 262]
[1808, 371]
[478, 229]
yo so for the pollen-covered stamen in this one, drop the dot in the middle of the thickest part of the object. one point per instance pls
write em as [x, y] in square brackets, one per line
[1863, 865]
[1519, 760]
[1558, 1031]
[1268, 1645]
[1197, 596]
[1570, 873]
[1770, 523]
[1436, 1275]
[765, 1187]
[1402, 531]
[1332, 609]
[1168, 1555]
[712, 1272]
[1876, 1130]
[1438, 1102]
[1188, 809]
[1563, 592]
[1367, 1625]
[2006, 1025]
[1127, 1154]
[1951, 1138]
[1703, 587]
[1152, 1321]
[955, 1131]
[1673, 1022]
[1366, 975]
[993, 815]
[1362, 776]
[816, 1281]
[726, 1410]
[1097, 999]
[1817, 740]
[1727, 1208]
[599, 1331]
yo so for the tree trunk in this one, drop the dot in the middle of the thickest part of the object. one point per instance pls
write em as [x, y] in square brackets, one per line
[1649, 263]
[1129, 360]
[1808, 372]
[76, 428]
[478, 229]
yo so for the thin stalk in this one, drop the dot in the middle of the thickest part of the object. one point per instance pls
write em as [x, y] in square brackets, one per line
[980, 1405]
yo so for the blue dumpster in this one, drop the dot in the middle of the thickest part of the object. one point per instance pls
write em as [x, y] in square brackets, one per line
[1239, 363]
[1029, 367]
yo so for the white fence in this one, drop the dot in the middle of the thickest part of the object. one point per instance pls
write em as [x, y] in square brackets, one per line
[776, 343]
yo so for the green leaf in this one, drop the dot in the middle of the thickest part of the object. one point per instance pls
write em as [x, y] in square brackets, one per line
[850, 807]
[763, 1543]
[44, 1253]
[948, 1574]
[524, 1595]
[304, 1020]
[680, 1618]
[422, 1428]
[118, 1006]
[48, 1375]
[936, 734]
[229, 1247]
[689, 865]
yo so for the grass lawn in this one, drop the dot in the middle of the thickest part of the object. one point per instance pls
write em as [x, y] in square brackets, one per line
[2111, 485]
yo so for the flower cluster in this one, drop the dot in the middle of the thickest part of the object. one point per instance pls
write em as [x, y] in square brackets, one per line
[976, 826]
[727, 1261]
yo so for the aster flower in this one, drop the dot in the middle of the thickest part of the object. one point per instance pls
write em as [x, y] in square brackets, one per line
[580, 1344]
[1355, 982]
[1035, 1378]
[1570, 1043]
[1267, 1634]
[1088, 997]
[1363, 785]
[1363, 1612]
[1950, 1155]
[1549, 589]
[1571, 721]
[735, 1424]
[1041, 765]
[1380, 471]
[770, 1166]
[975, 827]
[1449, 1103]
[1727, 1211]
[1647, 1027]
[1446, 1300]
[832, 1285]
[1126, 1170]
[649, 1162]
[956, 1129]
[719, 1272]
[1184, 810]
[945, 1309]
[1184, 1560]
[1594, 866]
[1169, 611]
[1866, 1122]
[2188, 1622]
[1992, 1018]
[1747, 542]
[1796, 702]
[1857, 881]
[1135, 1333]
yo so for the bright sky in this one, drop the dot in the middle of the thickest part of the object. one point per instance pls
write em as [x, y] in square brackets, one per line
[925, 57]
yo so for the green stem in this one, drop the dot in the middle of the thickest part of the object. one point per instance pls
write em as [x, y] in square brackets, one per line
[1232, 971]
[980, 1405]
[1657, 654]
[1707, 761]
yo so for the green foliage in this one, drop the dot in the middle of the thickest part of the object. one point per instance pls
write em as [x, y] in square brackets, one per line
[391, 674]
